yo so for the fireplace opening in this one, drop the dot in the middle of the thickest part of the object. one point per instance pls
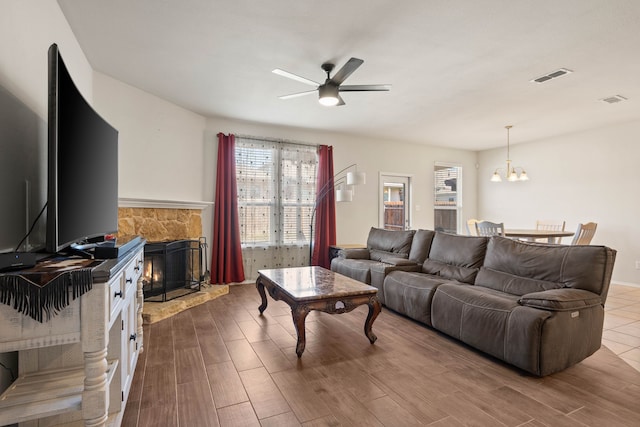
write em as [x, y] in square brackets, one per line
[172, 269]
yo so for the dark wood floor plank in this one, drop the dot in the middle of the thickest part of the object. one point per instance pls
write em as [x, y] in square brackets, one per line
[195, 404]
[159, 416]
[240, 415]
[226, 386]
[390, 413]
[265, 397]
[271, 356]
[304, 401]
[213, 349]
[184, 333]
[199, 368]
[189, 365]
[159, 343]
[283, 420]
[345, 407]
[159, 386]
[252, 330]
[242, 355]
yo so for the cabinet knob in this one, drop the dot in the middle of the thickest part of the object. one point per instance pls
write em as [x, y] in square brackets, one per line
[136, 268]
[129, 280]
[133, 337]
[118, 294]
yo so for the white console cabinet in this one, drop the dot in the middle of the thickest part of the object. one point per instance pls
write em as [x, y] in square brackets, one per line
[77, 367]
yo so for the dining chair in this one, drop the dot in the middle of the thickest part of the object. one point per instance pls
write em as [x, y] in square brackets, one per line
[471, 227]
[488, 228]
[584, 234]
[551, 225]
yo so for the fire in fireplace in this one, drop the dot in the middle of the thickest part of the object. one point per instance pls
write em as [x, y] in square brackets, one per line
[172, 269]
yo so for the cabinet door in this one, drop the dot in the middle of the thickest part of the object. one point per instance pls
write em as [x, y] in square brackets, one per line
[129, 344]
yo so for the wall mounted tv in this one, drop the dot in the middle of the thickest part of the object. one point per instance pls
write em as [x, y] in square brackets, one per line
[82, 189]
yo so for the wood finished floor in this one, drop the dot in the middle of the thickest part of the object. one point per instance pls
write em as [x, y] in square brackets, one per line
[222, 364]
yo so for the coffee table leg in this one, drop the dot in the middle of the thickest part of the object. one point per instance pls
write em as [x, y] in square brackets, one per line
[374, 310]
[260, 287]
[299, 313]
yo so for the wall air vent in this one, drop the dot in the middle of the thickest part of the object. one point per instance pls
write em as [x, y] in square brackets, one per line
[552, 75]
[614, 99]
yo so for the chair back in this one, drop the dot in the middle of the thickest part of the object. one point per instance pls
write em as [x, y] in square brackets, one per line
[471, 227]
[550, 225]
[488, 228]
[584, 234]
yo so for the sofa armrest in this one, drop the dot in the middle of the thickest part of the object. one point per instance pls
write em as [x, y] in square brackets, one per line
[358, 253]
[564, 299]
[401, 262]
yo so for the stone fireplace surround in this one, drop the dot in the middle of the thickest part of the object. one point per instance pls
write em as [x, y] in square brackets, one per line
[165, 220]
[160, 220]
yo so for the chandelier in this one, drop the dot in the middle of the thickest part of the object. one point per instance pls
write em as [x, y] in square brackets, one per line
[512, 173]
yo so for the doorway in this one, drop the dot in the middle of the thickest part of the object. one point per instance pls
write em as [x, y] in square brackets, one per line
[395, 206]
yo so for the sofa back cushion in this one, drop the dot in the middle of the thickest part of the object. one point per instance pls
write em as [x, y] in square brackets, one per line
[421, 245]
[455, 257]
[388, 243]
[520, 268]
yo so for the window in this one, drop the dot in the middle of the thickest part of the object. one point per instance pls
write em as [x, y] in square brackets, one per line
[447, 197]
[276, 191]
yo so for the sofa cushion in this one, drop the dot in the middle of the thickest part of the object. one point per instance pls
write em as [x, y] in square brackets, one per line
[520, 268]
[421, 245]
[387, 243]
[410, 293]
[455, 257]
[475, 315]
[358, 269]
[380, 271]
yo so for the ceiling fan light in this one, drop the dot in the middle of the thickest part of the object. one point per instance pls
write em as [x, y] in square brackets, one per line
[328, 95]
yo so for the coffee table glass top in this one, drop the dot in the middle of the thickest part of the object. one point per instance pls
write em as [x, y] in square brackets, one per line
[315, 282]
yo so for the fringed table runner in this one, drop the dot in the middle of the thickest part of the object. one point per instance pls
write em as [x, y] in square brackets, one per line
[44, 290]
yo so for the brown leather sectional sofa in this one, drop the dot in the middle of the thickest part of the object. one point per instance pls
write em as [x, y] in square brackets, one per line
[536, 306]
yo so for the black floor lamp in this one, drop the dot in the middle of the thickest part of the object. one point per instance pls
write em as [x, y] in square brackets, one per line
[343, 186]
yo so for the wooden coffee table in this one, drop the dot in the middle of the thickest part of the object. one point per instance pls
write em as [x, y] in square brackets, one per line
[316, 288]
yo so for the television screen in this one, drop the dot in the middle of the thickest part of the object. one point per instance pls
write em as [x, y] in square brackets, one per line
[82, 198]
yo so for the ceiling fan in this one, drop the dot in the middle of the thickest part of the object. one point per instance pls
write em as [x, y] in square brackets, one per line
[329, 91]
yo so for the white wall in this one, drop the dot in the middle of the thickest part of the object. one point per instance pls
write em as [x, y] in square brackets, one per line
[373, 156]
[27, 29]
[160, 144]
[582, 177]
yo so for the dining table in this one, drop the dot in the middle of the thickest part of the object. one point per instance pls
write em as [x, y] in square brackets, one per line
[533, 234]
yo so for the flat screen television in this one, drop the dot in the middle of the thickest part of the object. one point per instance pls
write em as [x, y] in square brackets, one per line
[82, 188]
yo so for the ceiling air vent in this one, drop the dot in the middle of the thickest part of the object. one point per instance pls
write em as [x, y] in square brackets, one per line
[614, 99]
[552, 75]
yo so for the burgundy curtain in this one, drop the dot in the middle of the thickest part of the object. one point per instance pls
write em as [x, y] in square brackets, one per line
[325, 222]
[226, 251]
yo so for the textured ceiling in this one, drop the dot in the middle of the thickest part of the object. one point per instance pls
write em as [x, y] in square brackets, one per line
[460, 71]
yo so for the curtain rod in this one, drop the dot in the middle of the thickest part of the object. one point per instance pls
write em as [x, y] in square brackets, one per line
[263, 138]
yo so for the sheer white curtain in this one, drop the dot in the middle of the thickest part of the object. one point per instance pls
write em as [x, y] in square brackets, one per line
[276, 194]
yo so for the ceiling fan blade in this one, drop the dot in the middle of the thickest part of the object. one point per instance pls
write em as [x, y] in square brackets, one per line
[292, 76]
[363, 88]
[346, 70]
[295, 95]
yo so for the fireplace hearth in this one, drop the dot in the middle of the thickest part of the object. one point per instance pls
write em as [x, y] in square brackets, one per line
[172, 269]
